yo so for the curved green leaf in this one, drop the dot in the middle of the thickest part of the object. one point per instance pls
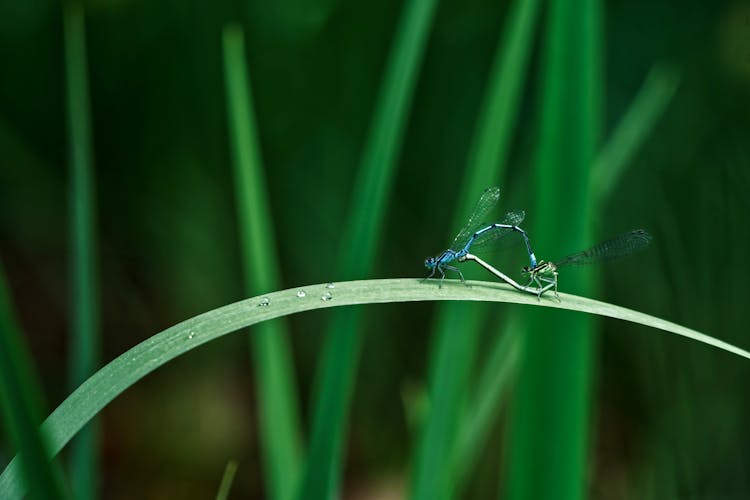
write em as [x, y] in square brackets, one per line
[125, 370]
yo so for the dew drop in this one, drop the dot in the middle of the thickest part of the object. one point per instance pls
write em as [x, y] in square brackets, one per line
[326, 297]
[301, 293]
[330, 285]
[191, 334]
[265, 301]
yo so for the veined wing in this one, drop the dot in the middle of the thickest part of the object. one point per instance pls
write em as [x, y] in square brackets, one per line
[486, 203]
[617, 247]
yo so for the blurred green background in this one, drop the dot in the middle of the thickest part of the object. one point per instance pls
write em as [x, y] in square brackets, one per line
[668, 418]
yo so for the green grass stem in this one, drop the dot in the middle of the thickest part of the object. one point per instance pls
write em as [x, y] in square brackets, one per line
[277, 393]
[633, 129]
[84, 347]
[21, 403]
[226, 480]
[612, 160]
[130, 367]
[549, 428]
[357, 248]
[483, 409]
[452, 355]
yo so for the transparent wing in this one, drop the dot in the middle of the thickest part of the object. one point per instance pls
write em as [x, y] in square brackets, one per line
[486, 202]
[482, 241]
[617, 247]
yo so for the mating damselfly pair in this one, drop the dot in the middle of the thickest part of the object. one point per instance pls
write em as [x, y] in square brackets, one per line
[477, 234]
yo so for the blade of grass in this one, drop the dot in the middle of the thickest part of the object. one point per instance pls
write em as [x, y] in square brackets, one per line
[633, 128]
[495, 380]
[453, 355]
[84, 349]
[128, 368]
[279, 414]
[226, 480]
[358, 245]
[21, 402]
[610, 164]
[550, 417]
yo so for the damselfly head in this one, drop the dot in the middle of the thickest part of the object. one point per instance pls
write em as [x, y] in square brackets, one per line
[430, 262]
[540, 267]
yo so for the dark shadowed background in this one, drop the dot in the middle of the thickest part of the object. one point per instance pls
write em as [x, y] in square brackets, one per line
[668, 416]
